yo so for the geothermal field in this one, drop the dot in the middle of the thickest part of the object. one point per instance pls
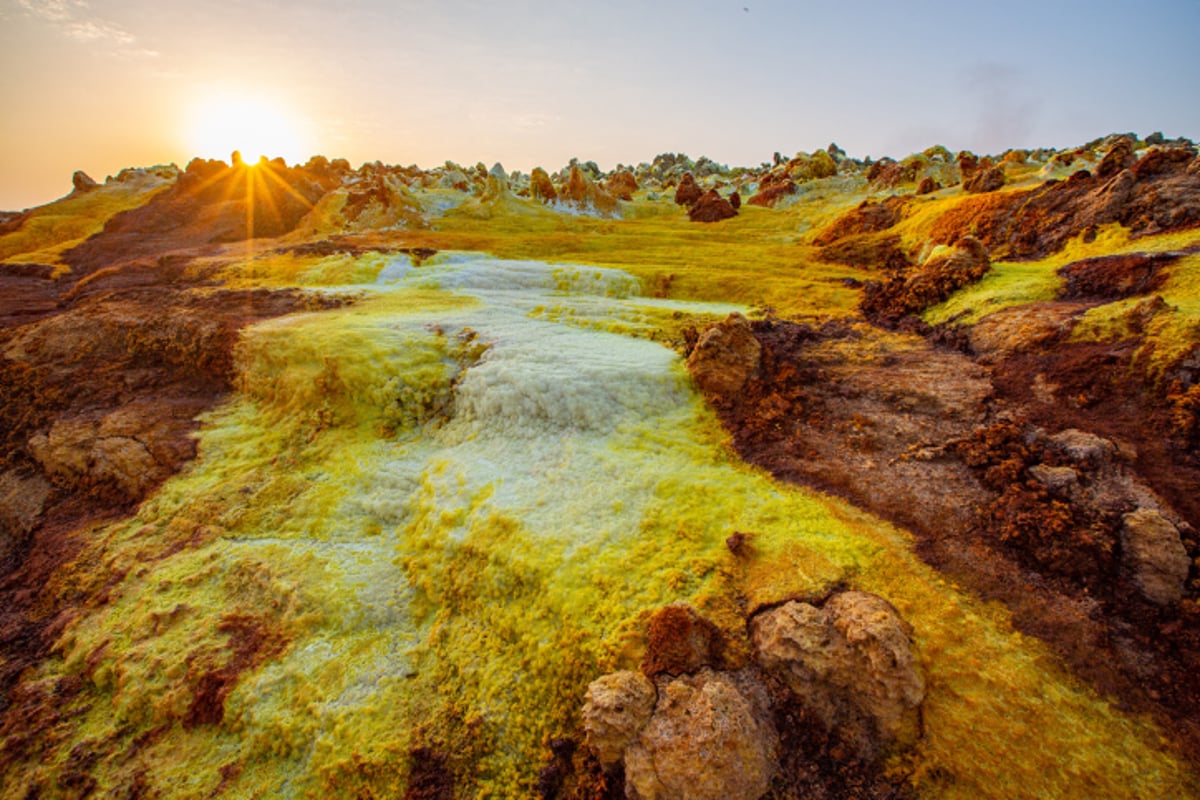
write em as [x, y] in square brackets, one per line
[821, 478]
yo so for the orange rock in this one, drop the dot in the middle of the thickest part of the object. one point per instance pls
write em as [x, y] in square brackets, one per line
[681, 641]
[621, 185]
[540, 186]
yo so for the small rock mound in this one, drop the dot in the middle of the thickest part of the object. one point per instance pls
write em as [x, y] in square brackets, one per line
[721, 734]
[688, 191]
[980, 176]
[711, 207]
[680, 642]
[583, 193]
[616, 709]
[773, 188]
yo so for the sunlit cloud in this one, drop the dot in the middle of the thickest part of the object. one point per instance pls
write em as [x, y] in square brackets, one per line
[73, 19]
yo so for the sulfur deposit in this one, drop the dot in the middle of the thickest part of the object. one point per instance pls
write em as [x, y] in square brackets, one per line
[319, 481]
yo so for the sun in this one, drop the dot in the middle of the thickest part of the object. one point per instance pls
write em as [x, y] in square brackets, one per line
[255, 126]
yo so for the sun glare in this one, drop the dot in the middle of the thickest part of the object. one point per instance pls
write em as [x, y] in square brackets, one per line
[255, 127]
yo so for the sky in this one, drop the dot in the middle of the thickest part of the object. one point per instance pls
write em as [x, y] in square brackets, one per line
[100, 85]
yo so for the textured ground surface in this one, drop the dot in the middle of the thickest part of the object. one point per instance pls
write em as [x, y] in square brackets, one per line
[330, 482]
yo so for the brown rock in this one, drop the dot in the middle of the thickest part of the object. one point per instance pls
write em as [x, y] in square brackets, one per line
[867, 217]
[984, 180]
[1115, 277]
[772, 189]
[582, 192]
[540, 186]
[888, 302]
[681, 641]
[617, 707]
[711, 207]
[1152, 553]
[709, 739]
[1119, 157]
[1162, 160]
[928, 185]
[688, 190]
[735, 200]
[726, 357]
[850, 662]
[82, 182]
[22, 499]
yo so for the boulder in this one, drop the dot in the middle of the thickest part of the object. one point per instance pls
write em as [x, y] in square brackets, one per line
[726, 356]
[1154, 556]
[1056, 479]
[850, 662]
[616, 709]
[688, 190]
[708, 739]
[711, 207]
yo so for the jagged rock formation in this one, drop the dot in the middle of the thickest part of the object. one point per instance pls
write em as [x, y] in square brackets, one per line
[688, 191]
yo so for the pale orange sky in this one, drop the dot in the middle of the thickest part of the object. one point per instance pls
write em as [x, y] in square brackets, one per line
[103, 84]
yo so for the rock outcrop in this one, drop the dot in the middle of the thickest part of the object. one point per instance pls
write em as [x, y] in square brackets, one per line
[980, 176]
[910, 292]
[850, 661]
[82, 182]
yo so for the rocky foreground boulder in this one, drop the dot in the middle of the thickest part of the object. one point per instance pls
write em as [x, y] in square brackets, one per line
[705, 731]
